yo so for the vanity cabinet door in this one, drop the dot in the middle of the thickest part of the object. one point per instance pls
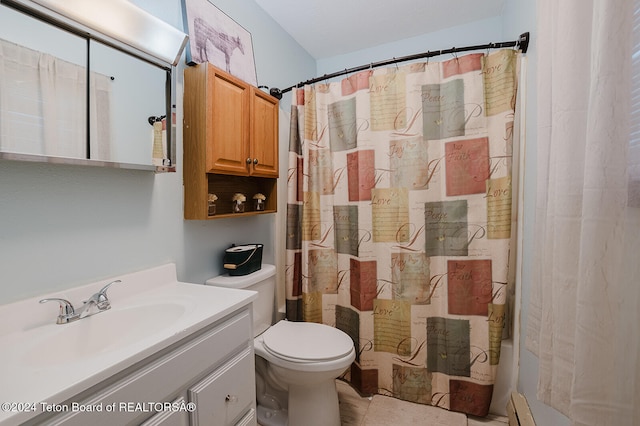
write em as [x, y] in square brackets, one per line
[227, 395]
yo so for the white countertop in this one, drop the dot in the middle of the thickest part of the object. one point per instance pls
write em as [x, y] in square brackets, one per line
[150, 311]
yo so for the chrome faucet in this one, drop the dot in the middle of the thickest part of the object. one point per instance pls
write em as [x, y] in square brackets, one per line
[68, 314]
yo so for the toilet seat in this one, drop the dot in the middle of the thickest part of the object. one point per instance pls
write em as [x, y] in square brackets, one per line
[306, 342]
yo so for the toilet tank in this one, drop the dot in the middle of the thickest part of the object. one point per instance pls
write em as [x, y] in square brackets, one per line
[264, 282]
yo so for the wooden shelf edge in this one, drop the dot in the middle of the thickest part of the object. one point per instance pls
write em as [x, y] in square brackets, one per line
[225, 215]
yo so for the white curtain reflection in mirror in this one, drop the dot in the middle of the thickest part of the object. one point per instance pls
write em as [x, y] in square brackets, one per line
[43, 106]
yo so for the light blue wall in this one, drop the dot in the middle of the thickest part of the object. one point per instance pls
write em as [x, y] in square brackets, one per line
[479, 32]
[62, 226]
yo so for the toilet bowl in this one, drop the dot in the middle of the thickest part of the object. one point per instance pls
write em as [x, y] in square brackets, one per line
[296, 362]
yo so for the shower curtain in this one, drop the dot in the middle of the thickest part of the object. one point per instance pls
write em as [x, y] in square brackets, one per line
[399, 220]
[584, 306]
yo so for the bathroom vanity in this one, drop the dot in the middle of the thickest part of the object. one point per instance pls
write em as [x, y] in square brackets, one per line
[166, 353]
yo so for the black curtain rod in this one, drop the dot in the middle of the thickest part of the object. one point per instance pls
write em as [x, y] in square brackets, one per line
[522, 43]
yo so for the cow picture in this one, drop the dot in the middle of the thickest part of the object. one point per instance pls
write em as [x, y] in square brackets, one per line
[218, 39]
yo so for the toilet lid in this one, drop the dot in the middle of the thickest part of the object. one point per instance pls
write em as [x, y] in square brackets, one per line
[307, 341]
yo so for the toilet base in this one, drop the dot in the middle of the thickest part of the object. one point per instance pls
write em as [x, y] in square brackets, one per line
[270, 417]
[315, 405]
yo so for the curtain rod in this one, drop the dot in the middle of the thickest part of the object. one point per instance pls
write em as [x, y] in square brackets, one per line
[522, 43]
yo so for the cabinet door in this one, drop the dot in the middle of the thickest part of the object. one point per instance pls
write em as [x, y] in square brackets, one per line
[264, 134]
[228, 122]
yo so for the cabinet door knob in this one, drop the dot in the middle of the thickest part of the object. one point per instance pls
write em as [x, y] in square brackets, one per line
[248, 160]
[255, 161]
[231, 398]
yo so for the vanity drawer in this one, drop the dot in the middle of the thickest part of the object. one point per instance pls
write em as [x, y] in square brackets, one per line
[158, 380]
[227, 394]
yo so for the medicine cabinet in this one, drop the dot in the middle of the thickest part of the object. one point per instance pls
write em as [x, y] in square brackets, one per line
[81, 91]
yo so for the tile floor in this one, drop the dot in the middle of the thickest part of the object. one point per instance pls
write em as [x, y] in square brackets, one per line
[382, 411]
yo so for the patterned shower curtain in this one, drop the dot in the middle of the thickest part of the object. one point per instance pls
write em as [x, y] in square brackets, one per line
[399, 223]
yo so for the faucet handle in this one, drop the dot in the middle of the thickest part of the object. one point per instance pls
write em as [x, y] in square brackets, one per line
[104, 289]
[100, 298]
[67, 313]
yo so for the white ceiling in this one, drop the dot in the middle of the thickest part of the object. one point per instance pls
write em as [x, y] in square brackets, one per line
[327, 28]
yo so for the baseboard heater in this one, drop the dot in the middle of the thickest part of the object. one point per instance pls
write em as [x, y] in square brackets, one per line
[518, 411]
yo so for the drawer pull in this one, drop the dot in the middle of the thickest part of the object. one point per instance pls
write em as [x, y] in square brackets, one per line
[231, 398]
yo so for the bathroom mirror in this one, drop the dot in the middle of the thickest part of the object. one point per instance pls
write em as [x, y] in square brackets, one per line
[70, 95]
[137, 92]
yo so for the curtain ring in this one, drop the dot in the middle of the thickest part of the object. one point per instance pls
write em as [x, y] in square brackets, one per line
[489, 46]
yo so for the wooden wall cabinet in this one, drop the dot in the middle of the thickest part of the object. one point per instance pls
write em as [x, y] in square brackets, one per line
[230, 143]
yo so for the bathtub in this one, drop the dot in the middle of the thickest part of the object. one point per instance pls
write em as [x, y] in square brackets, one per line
[502, 388]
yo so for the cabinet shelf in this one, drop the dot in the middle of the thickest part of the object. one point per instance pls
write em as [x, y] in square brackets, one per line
[225, 187]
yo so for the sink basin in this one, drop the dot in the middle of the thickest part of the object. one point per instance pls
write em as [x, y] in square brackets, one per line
[99, 333]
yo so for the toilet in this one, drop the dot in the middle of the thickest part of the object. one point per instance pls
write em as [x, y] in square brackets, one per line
[296, 362]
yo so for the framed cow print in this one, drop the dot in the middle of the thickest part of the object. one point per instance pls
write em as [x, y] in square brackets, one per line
[216, 38]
